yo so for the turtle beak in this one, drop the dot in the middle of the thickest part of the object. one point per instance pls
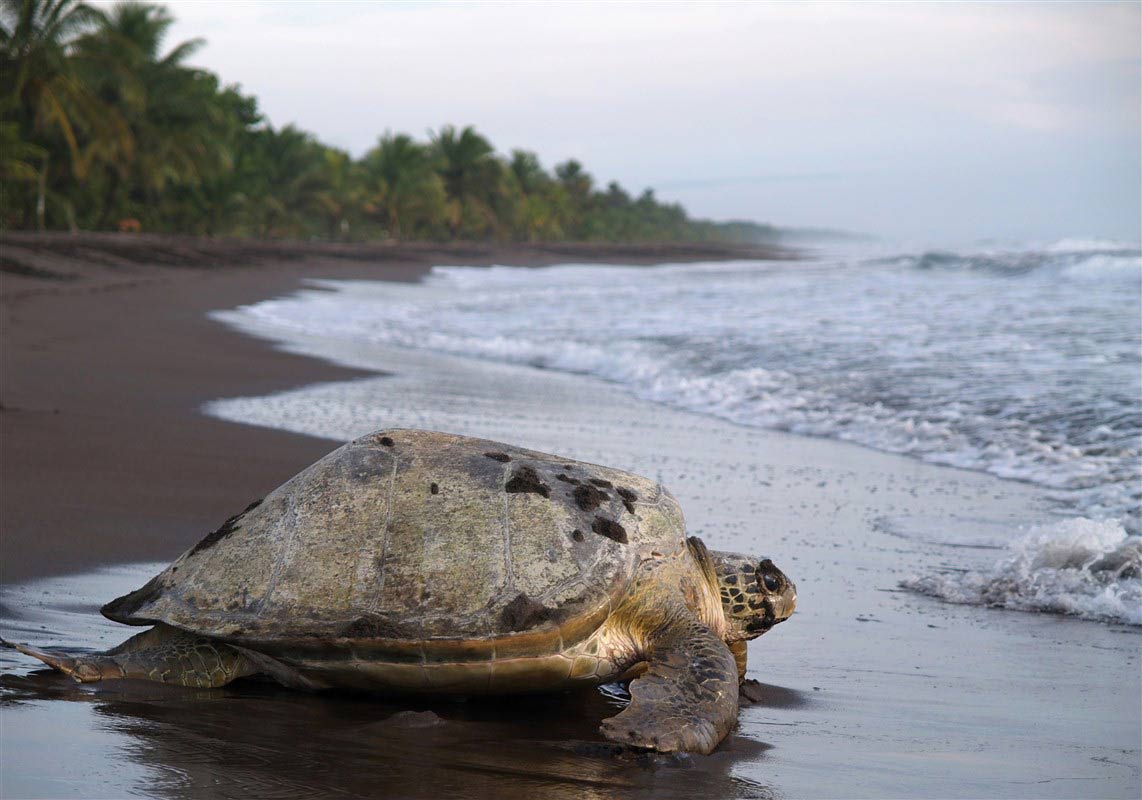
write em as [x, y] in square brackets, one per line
[783, 606]
[778, 609]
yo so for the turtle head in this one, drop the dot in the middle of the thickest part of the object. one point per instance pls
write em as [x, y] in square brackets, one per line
[755, 594]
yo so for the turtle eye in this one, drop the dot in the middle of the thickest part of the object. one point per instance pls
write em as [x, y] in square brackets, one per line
[770, 582]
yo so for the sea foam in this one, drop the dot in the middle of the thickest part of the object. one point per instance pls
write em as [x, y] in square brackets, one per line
[1079, 567]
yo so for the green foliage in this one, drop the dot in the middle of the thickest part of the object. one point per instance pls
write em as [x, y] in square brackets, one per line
[403, 192]
[101, 126]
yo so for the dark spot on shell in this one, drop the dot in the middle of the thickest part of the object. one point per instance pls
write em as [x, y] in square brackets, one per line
[588, 497]
[525, 480]
[738, 608]
[386, 441]
[227, 528]
[731, 580]
[628, 497]
[376, 628]
[577, 535]
[434, 488]
[504, 457]
[610, 529]
[602, 483]
[523, 613]
[566, 479]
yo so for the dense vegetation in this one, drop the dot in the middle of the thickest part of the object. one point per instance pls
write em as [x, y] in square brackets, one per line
[101, 128]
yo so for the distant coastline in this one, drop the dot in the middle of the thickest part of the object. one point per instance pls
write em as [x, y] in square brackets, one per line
[106, 129]
[37, 262]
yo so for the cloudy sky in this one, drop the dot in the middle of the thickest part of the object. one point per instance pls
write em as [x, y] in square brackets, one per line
[935, 122]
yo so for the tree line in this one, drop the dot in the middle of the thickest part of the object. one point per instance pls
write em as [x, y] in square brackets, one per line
[102, 128]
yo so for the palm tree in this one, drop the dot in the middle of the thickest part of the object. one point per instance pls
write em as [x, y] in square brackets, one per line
[342, 197]
[404, 191]
[576, 182]
[286, 180]
[528, 172]
[17, 157]
[467, 164]
[575, 179]
[218, 199]
[37, 79]
[170, 110]
[540, 204]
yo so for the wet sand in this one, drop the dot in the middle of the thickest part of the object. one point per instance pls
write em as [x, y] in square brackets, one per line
[867, 692]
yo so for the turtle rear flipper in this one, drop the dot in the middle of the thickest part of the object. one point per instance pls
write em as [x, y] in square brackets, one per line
[162, 654]
[687, 700]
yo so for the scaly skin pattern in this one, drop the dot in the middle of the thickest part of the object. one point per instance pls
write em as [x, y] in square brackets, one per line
[162, 654]
[687, 698]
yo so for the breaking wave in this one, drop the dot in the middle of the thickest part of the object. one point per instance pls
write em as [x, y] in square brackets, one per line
[1078, 567]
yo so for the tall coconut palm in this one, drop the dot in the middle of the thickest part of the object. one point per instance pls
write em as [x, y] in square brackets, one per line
[404, 192]
[343, 195]
[467, 164]
[37, 78]
[540, 202]
[529, 174]
[18, 158]
[577, 183]
[219, 197]
[286, 179]
[170, 109]
[575, 179]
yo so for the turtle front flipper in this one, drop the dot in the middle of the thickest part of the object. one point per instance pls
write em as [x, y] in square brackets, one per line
[687, 700]
[162, 654]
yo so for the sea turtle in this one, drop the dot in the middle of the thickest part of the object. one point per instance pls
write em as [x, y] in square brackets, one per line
[422, 562]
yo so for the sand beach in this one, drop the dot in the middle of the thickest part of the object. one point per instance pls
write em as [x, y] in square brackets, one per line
[140, 408]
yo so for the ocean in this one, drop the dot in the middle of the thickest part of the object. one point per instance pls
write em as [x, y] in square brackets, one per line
[1020, 361]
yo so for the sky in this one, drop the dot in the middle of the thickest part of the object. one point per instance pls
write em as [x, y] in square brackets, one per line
[933, 122]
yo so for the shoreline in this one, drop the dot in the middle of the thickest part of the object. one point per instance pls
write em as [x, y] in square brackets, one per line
[107, 457]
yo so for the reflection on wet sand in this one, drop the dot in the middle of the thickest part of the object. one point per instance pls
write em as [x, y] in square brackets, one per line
[257, 739]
